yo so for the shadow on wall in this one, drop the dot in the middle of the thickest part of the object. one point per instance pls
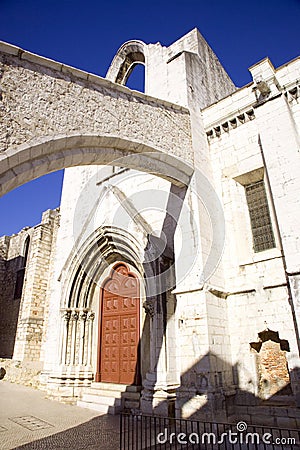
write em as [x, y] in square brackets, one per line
[207, 396]
[210, 389]
[102, 432]
[11, 283]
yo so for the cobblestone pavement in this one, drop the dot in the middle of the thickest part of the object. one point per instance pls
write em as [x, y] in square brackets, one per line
[29, 421]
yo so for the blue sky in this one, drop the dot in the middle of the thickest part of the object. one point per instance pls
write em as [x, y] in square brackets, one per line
[87, 35]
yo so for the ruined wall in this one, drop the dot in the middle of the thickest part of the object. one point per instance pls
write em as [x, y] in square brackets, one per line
[24, 306]
[55, 219]
[12, 255]
[31, 322]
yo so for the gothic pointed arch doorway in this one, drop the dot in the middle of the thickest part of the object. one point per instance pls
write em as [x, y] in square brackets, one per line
[119, 328]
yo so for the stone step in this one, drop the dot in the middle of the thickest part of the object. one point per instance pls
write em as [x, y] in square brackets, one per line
[114, 387]
[131, 404]
[134, 396]
[110, 401]
[114, 394]
[104, 409]
[110, 398]
[103, 393]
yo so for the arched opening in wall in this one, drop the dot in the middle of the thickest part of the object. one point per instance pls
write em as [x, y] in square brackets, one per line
[12, 276]
[127, 57]
[136, 79]
[272, 367]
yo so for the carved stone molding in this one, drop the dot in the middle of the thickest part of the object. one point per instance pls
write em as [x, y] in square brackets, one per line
[75, 315]
[83, 316]
[91, 316]
[66, 315]
[149, 308]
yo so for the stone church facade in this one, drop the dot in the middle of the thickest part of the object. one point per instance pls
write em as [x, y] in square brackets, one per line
[167, 281]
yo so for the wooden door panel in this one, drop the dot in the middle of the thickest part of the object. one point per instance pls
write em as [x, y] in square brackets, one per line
[110, 348]
[129, 304]
[120, 328]
[111, 304]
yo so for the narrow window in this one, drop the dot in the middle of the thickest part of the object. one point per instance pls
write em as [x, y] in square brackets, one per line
[21, 271]
[262, 231]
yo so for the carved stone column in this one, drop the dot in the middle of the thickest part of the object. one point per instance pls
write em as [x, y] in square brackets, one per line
[90, 319]
[74, 321]
[159, 391]
[82, 346]
[66, 315]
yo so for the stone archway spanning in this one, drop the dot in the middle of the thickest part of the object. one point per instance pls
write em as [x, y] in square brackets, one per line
[25, 163]
[54, 116]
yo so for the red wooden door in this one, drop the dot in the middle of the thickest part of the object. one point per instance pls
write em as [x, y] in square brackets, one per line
[120, 328]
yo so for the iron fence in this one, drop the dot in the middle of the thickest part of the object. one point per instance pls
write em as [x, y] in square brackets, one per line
[139, 432]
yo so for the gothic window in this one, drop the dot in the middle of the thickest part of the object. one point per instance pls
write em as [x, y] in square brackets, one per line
[21, 271]
[261, 225]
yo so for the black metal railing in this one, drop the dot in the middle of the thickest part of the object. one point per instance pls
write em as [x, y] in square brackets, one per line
[139, 432]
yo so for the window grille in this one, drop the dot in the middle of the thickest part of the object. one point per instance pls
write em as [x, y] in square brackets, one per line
[262, 231]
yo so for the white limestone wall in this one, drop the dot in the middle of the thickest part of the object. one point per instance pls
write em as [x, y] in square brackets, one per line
[216, 318]
[255, 284]
[132, 201]
[188, 73]
[167, 71]
[136, 203]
